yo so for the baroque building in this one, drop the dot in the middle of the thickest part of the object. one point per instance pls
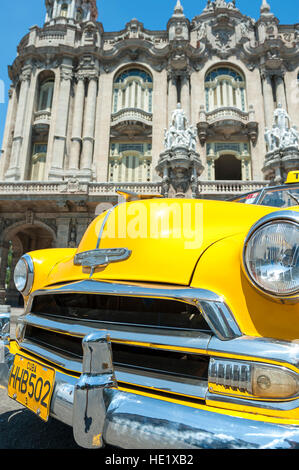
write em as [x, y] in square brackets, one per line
[90, 113]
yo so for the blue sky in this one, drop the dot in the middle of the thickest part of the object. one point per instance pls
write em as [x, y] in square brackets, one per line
[17, 16]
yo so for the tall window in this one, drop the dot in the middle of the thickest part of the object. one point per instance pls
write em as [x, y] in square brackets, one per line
[45, 95]
[130, 163]
[64, 10]
[38, 162]
[133, 89]
[225, 87]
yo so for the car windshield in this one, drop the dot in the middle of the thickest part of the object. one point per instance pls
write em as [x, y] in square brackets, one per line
[282, 196]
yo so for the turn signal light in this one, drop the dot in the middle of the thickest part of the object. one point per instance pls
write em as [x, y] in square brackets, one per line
[248, 378]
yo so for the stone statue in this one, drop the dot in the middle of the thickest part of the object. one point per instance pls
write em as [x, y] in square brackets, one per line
[179, 120]
[192, 138]
[281, 136]
[180, 134]
[281, 117]
[290, 138]
[268, 138]
[295, 135]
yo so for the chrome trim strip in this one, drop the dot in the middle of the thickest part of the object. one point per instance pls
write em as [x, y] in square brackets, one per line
[259, 349]
[172, 340]
[30, 274]
[179, 385]
[60, 359]
[215, 311]
[285, 215]
[167, 383]
[286, 405]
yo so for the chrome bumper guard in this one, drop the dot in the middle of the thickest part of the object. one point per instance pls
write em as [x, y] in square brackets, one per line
[100, 413]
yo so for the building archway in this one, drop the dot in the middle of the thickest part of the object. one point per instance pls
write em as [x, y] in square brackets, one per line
[18, 240]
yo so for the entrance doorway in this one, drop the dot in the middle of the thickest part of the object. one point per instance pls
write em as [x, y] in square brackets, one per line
[228, 167]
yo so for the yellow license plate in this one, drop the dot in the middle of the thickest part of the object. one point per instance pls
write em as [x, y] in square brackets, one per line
[31, 384]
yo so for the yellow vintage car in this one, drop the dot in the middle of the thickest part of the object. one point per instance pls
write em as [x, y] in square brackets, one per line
[174, 324]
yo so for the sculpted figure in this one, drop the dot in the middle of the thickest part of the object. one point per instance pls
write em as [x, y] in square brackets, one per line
[179, 120]
[294, 136]
[268, 138]
[281, 117]
[192, 138]
[276, 138]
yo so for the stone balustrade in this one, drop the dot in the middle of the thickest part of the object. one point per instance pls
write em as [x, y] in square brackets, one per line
[42, 118]
[51, 188]
[227, 113]
[230, 187]
[131, 114]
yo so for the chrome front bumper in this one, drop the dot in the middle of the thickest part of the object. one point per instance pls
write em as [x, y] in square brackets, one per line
[99, 413]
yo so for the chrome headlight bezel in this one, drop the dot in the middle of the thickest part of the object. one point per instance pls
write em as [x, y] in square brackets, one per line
[29, 266]
[290, 217]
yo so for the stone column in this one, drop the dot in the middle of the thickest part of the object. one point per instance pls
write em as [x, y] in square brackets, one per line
[13, 173]
[268, 99]
[160, 117]
[185, 95]
[77, 125]
[6, 144]
[280, 91]
[58, 154]
[63, 227]
[89, 125]
[25, 161]
[103, 121]
[172, 95]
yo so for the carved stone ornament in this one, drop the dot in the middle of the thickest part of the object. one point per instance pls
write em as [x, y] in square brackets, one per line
[66, 74]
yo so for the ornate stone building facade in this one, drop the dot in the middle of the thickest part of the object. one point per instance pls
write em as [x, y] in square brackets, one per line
[90, 112]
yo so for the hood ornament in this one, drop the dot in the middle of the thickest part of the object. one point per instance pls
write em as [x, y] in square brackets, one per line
[101, 257]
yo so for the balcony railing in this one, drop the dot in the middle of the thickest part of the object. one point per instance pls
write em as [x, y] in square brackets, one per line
[132, 114]
[34, 188]
[42, 118]
[229, 113]
[228, 121]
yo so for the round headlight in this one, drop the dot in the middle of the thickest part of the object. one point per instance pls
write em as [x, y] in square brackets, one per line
[23, 274]
[271, 257]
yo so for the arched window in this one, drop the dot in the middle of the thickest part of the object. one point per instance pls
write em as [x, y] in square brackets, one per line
[225, 87]
[133, 88]
[45, 97]
[64, 10]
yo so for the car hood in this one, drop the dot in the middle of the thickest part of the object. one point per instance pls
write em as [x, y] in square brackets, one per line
[166, 238]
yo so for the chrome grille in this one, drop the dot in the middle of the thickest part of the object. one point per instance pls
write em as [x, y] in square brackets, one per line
[159, 336]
